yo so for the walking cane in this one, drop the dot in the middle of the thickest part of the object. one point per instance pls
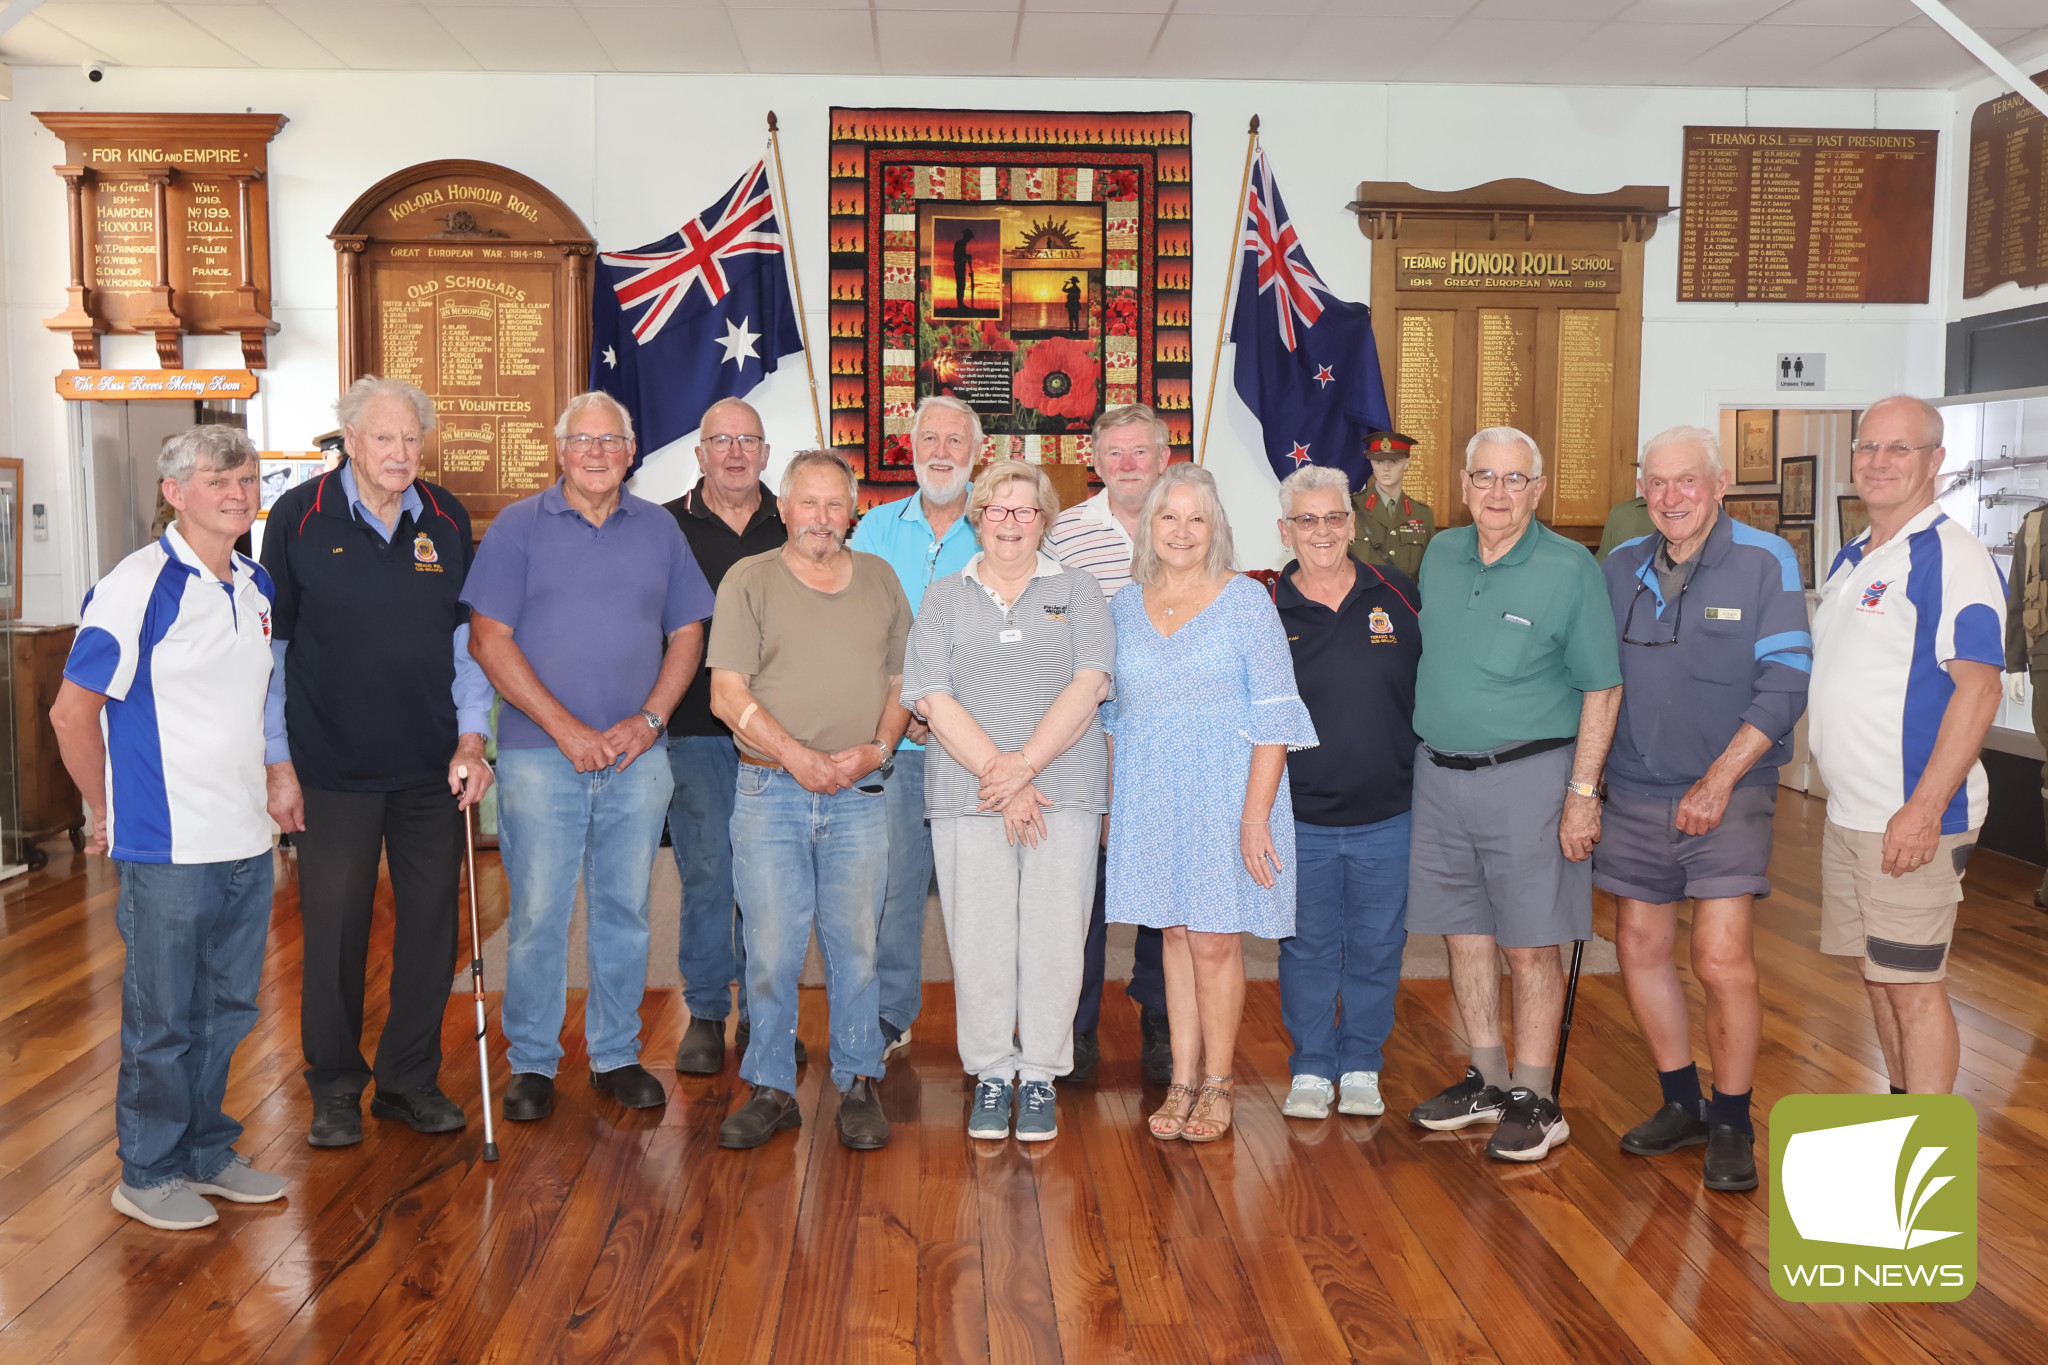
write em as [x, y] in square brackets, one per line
[476, 975]
[1564, 1026]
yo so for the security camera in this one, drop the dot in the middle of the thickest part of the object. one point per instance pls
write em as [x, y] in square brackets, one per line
[95, 72]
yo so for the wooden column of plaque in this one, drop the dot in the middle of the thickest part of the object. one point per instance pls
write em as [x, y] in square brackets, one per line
[1514, 304]
[472, 282]
[2005, 237]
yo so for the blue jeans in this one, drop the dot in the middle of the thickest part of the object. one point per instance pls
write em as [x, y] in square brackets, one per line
[710, 954]
[1350, 916]
[799, 858]
[899, 943]
[195, 935]
[554, 821]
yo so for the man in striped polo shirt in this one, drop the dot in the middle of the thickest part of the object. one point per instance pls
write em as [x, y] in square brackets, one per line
[1131, 448]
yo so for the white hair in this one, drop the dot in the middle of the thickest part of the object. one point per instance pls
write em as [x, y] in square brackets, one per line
[1222, 553]
[356, 399]
[1505, 436]
[942, 403]
[596, 398]
[1699, 436]
[1312, 478]
[819, 459]
[206, 447]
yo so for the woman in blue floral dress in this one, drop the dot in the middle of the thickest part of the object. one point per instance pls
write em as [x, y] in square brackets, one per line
[1201, 841]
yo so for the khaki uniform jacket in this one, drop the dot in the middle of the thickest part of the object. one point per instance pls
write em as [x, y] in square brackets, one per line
[2026, 598]
[1392, 530]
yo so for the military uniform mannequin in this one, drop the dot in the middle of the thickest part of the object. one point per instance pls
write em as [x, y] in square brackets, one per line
[1393, 528]
[2026, 633]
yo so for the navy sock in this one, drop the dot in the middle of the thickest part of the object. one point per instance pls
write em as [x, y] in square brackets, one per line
[1898, 1090]
[1682, 1086]
[1731, 1109]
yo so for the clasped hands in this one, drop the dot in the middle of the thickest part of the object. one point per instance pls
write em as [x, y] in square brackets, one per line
[1007, 786]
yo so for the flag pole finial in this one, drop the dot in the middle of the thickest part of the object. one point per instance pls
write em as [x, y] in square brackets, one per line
[1252, 131]
[771, 120]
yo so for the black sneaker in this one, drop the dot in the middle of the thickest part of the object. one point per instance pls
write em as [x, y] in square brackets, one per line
[1468, 1102]
[337, 1122]
[702, 1051]
[862, 1124]
[1731, 1158]
[1155, 1052]
[1530, 1126]
[1087, 1056]
[1667, 1130]
[767, 1112]
[425, 1110]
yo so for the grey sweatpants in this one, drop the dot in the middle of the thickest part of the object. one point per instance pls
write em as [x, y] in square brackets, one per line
[1016, 924]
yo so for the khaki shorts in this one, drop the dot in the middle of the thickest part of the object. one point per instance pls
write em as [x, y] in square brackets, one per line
[1899, 926]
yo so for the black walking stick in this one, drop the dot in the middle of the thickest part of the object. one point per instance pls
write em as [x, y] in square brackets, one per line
[476, 975]
[1564, 1025]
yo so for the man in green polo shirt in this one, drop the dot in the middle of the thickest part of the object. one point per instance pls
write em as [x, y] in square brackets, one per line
[1516, 701]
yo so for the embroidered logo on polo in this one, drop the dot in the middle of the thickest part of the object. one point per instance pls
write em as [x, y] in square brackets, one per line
[423, 549]
[1055, 609]
[1873, 594]
[1381, 625]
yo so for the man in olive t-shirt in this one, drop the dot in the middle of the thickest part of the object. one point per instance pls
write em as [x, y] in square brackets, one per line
[806, 662]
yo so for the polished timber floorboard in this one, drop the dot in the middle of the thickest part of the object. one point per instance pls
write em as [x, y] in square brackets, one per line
[607, 1235]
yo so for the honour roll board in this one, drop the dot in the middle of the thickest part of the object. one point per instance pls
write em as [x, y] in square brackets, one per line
[1806, 215]
[2006, 235]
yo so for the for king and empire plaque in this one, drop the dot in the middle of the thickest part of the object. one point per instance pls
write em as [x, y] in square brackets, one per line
[472, 282]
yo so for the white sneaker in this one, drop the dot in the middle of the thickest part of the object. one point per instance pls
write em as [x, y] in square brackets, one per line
[894, 1046]
[1309, 1098]
[1360, 1094]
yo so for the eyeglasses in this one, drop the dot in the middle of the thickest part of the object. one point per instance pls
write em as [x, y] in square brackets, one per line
[1483, 479]
[1677, 615]
[1895, 450]
[1023, 516]
[610, 444]
[749, 445]
[1308, 521]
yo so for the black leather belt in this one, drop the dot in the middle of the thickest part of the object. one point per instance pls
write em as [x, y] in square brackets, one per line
[1468, 762]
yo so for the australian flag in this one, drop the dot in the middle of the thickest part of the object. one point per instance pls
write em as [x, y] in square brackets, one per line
[700, 315]
[1306, 364]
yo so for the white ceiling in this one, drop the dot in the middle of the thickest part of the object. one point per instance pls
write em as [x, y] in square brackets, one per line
[1840, 43]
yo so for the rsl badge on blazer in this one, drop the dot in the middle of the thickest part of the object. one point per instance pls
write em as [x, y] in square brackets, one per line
[425, 558]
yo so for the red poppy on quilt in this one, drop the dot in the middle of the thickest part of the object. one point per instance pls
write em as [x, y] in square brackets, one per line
[899, 182]
[1122, 314]
[1119, 184]
[993, 338]
[1058, 379]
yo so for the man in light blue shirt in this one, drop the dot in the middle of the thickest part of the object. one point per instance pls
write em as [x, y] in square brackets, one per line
[924, 538]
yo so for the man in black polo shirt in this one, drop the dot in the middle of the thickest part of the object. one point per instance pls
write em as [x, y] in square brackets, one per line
[374, 705]
[727, 517]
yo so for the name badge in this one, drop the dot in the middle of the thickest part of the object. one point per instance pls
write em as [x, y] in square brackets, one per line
[1009, 637]
[1724, 613]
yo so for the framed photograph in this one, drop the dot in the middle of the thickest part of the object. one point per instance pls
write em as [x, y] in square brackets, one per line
[1851, 516]
[1800, 538]
[1760, 512]
[282, 473]
[1756, 446]
[1795, 481]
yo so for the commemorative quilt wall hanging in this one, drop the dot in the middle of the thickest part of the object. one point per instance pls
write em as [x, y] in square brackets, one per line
[1036, 266]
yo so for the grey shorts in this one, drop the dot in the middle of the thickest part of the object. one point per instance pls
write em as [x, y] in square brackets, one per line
[1484, 856]
[1642, 856]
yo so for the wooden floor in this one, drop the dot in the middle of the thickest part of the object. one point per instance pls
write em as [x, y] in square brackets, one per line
[606, 1235]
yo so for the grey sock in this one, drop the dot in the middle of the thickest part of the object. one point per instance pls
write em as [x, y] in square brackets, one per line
[1536, 1078]
[1493, 1064]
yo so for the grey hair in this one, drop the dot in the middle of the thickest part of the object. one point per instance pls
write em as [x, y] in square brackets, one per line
[1505, 436]
[1131, 414]
[727, 402]
[1699, 436]
[1313, 478]
[356, 399]
[596, 398]
[1933, 427]
[208, 447]
[819, 459]
[942, 403]
[1222, 552]
[997, 475]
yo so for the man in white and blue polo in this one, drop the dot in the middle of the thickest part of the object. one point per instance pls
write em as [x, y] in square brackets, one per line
[160, 723]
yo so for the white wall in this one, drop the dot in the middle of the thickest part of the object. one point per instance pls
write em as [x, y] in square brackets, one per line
[633, 155]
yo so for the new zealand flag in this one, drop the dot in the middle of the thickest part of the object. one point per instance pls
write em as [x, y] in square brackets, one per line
[1306, 364]
[700, 315]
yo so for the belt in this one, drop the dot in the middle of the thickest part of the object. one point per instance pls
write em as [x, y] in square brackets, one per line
[746, 757]
[1468, 762]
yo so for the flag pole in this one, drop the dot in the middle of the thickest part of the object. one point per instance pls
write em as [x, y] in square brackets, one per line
[803, 324]
[1229, 284]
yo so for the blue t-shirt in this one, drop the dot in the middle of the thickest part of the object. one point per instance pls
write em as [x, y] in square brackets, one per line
[589, 606]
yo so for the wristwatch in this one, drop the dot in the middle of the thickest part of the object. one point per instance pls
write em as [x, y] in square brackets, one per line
[888, 767]
[654, 722]
[1582, 789]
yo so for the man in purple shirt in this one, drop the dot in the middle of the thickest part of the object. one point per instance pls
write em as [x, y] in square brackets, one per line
[571, 596]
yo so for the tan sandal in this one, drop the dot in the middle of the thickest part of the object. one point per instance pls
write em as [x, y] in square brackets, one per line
[1216, 1108]
[1170, 1118]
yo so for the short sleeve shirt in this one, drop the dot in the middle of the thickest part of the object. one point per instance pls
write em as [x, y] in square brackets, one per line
[184, 662]
[1006, 666]
[1510, 648]
[901, 533]
[590, 607]
[1890, 621]
[821, 663]
[1088, 536]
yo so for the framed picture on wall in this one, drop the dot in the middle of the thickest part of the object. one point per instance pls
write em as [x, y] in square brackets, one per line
[1851, 516]
[1800, 538]
[280, 473]
[1756, 446]
[1760, 512]
[1795, 481]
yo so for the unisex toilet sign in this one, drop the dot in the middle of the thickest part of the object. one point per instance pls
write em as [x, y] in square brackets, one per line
[1873, 1198]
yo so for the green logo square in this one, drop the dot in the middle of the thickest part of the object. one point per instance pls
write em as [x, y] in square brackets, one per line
[1873, 1198]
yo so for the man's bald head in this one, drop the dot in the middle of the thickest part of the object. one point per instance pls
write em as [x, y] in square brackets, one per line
[1924, 417]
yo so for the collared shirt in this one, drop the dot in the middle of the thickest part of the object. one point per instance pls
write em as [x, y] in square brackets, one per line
[591, 607]
[718, 547]
[1355, 667]
[901, 533]
[1740, 654]
[375, 613]
[1510, 648]
[1088, 536]
[1890, 621]
[1006, 666]
[184, 661]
